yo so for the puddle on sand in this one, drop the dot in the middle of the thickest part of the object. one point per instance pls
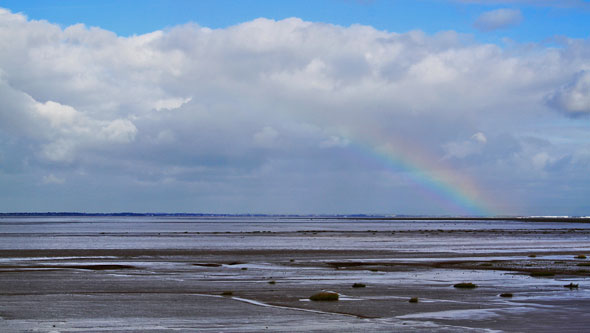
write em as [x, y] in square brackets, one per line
[34, 259]
[469, 314]
[457, 257]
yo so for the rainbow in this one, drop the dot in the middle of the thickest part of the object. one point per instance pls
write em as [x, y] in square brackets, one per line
[452, 192]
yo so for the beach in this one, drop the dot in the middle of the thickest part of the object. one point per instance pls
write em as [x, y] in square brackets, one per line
[251, 274]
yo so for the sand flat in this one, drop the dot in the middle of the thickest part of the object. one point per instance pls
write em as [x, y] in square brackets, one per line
[272, 274]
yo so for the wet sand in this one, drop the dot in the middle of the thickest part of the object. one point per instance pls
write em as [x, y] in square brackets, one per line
[268, 277]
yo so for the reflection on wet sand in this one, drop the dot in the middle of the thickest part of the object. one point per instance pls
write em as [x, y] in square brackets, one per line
[215, 280]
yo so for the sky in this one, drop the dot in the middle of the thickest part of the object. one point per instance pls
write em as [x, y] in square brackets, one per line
[418, 107]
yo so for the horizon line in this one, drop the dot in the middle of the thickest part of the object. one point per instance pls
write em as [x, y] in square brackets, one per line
[358, 216]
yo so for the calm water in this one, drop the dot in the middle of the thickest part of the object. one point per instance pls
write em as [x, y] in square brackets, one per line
[285, 233]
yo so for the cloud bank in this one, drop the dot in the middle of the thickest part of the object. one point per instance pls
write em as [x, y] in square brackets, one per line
[268, 116]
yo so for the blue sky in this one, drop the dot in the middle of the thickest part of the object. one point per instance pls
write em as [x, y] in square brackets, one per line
[541, 19]
[379, 107]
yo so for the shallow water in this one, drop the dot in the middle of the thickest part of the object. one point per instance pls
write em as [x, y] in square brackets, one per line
[97, 224]
[147, 232]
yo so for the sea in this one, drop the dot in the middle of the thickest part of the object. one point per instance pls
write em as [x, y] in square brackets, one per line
[162, 232]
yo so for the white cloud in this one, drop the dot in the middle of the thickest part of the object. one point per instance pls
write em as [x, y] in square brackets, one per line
[119, 130]
[498, 19]
[479, 137]
[57, 114]
[433, 69]
[574, 97]
[99, 106]
[171, 103]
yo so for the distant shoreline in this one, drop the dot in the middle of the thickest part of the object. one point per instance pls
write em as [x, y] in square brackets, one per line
[577, 219]
[506, 218]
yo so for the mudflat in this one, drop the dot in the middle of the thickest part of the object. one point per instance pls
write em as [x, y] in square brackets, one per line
[262, 280]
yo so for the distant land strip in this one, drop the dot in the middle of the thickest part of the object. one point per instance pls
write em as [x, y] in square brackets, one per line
[362, 217]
